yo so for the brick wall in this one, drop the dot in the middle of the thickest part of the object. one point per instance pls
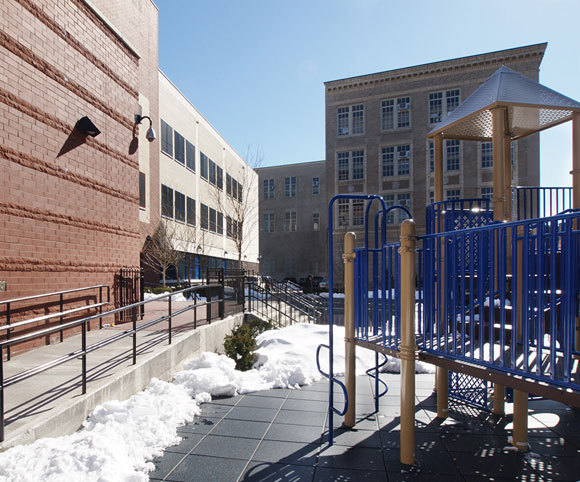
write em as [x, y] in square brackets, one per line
[69, 214]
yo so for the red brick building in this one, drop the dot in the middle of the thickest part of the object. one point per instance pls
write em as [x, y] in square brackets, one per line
[69, 202]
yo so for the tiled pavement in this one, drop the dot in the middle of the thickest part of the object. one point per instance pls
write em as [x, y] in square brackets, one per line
[282, 435]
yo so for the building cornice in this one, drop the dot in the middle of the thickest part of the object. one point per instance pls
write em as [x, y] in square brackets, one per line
[474, 62]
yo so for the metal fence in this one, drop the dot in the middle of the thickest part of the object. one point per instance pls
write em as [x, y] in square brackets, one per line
[540, 202]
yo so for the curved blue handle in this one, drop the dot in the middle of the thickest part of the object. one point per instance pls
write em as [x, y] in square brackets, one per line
[334, 380]
[379, 379]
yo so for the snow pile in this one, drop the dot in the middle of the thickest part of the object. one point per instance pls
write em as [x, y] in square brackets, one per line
[117, 443]
[177, 297]
[119, 439]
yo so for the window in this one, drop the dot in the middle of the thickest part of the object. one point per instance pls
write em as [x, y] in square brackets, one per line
[190, 205]
[220, 178]
[204, 217]
[203, 160]
[388, 160]
[212, 220]
[399, 118]
[343, 169]
[343, 212]
[190, 155]
[441, 104]
[358, 158]
[166, 201]
[452, 194]
[431, 156]
[234, 188]
[229, 227]
[431, 197]
[240, 189]
[234, 229]
[486, 154]
[166, 138]
[403, 160]
[403, 199]
[269, 188]
[390, 201]
[453, 155]
[212, 172]
[179, 148]
[403, 112]
[179, 207]
[487, 192]
[358, 212]
[290, 225]
[268, 218]
[228, 185]
[315, 185]
[220, 223]
[350, 165]
[387, 114]
[290, 186]
[316, 221]
[350, 120]
[142, 192]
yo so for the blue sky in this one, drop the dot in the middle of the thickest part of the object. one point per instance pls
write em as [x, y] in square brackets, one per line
[255, 68]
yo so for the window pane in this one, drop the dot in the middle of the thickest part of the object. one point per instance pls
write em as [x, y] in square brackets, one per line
[343, 212]
[388, 159]
[452, 100]
[343, 170]
[142, 192]
[212, 219]
[204, 217]
[220, 178]
[403, 112]
[342, 121]
[229, 185]
[358, 120]
[166, 138]
[220, 223]
[357, 212]
[191, 211]
[166, 201]
[403, 160]
[315, 185]
[358, 164]
[431, 157]
[435, 107]
[387, 114]
[452, 155]
[190, 155]
[179, 148]
[179, 206]
[486, 154]
[212, 172]
[203, 159]
[316, 221]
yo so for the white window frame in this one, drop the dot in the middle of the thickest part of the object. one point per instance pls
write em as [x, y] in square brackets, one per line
[290, 221]
[447, 150]
[393, 111]
[486, 155]
[290, 186]
[446, 100]
[350, 120]
[346, 170]
[269, 221]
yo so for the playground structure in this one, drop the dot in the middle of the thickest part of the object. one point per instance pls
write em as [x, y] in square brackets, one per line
[492, 291]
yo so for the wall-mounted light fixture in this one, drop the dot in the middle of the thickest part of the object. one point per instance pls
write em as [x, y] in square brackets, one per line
[199, 248]
[86, 126]
[150, 134]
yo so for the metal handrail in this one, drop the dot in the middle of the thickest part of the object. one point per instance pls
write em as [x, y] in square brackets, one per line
[33, 297]
[84, 350]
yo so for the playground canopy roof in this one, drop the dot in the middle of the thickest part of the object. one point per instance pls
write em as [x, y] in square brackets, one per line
[531, 107]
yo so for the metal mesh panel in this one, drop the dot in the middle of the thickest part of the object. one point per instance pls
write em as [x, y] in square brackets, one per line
[469, 390]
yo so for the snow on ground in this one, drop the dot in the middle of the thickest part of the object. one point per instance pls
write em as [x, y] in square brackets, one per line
[177, 297]
[119, 439]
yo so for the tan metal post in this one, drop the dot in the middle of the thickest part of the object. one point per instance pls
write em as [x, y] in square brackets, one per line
[441, 374]
[349, 355]
[408, 346]
[507, 177]
[576, 188]
[499, 209]
[520, 432]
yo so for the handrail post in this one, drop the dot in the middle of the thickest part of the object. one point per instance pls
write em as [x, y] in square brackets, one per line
[7, 335]
[84, 357]
[408, 346]
[222, 307]
[61, 307]
[101, 307]
[1, 395]
[169, 311]
[194, 309]
[350, 347]
[134, 316]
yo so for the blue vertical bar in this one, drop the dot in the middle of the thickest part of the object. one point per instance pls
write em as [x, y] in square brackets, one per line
[541, 288]
[553, 287]
[515, 306]
[525, 308]
[472, 273]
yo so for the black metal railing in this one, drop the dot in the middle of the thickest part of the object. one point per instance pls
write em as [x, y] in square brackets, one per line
[132, 310]
[131, 289]
[61, 314]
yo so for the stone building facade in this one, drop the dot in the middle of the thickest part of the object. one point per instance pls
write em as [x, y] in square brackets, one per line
[376, 127]
[293, 220]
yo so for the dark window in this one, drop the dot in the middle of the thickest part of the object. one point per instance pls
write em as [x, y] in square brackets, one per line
[179, 148]
[166, 138]
[191, 211]
[240, 189]
[234, 188]
[142, 198]
[166, 201]
[228, 184]
[204, 217]
[220, 223]
[179, 206]
[220, 178]
[190, 155]
[212, 219]
[212, 173]
[229, 227]
[203, 159]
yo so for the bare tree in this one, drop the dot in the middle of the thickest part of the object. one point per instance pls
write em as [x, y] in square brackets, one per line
[239, 207]
[160, 252]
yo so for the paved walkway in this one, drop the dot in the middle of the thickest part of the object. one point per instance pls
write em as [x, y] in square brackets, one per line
[280, 435]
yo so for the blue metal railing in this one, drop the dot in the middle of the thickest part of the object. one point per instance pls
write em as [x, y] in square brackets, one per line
[457, 214]
[505, 296]
[540, 202]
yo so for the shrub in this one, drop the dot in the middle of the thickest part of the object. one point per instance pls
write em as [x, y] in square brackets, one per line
[241, 344]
